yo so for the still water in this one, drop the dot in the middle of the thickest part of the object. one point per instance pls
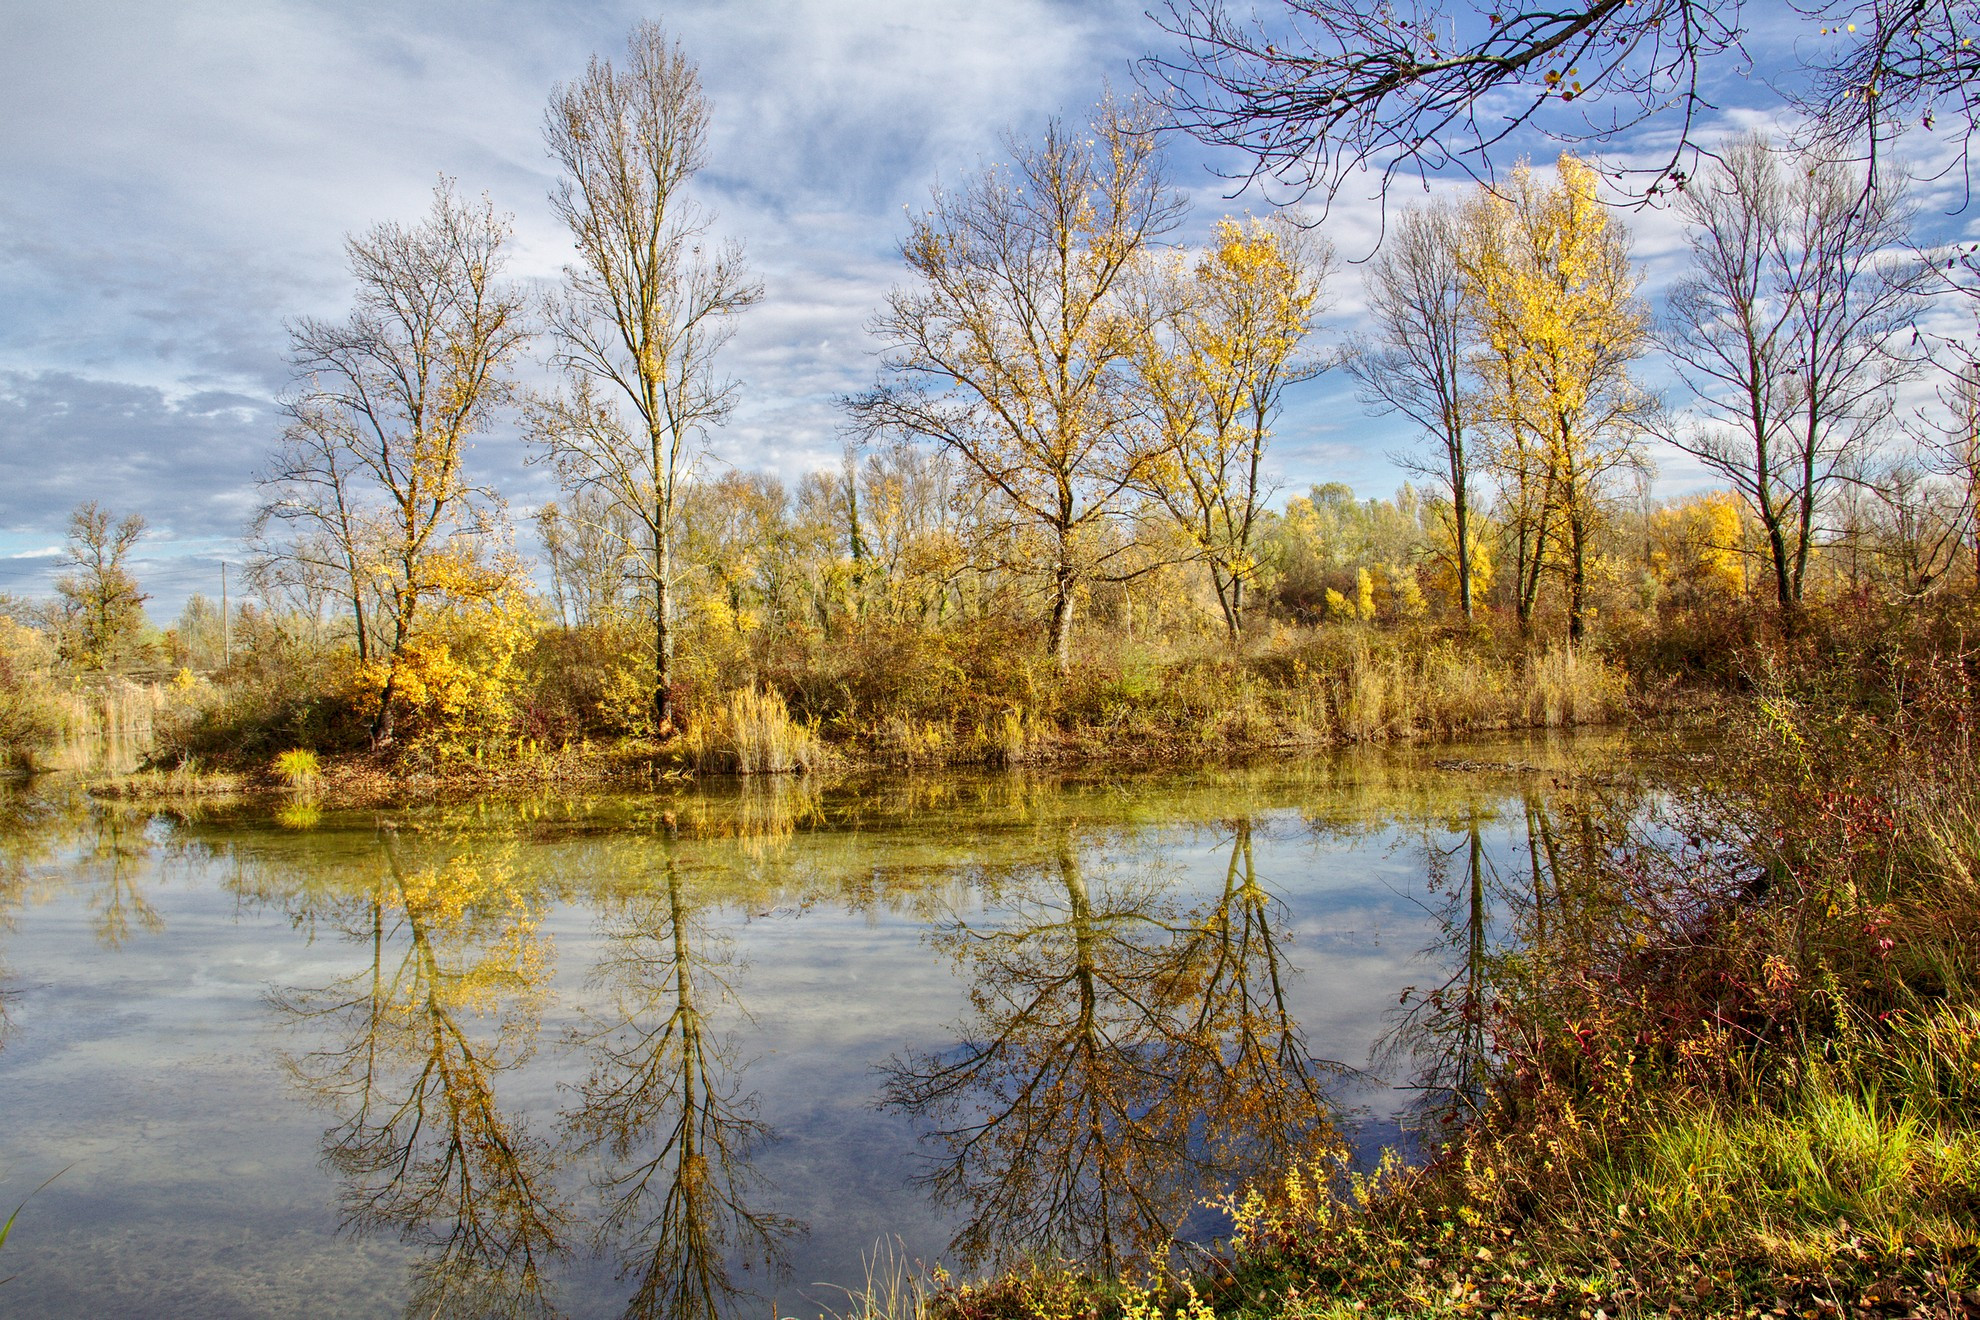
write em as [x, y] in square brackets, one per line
[702, 1052]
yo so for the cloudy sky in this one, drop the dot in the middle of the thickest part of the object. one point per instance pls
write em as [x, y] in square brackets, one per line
[176, 180]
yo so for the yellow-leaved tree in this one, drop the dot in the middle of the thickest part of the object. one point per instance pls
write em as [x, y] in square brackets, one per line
[1227, 329]
[372, 474]
[1557, 322]
[1699, 544]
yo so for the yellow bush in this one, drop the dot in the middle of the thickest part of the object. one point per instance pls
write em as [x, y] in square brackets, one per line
[457, 680]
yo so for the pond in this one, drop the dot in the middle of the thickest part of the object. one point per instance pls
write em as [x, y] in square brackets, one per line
[707, 1051]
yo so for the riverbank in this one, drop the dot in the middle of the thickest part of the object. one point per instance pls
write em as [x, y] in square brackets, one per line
[206, 738]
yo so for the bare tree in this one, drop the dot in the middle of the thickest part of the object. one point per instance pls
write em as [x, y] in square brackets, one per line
[1320, 88]
[1012, 350]
[1895, 62]
[316, 530]
[645, 310]
[1782, 327]
[1338, 84]
[374, 458]
[1413, 362]
[1959, 451]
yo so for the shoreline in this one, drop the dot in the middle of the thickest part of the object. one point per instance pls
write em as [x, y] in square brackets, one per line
[367, 779]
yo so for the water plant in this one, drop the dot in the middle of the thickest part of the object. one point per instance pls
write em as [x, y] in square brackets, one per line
[299, 768]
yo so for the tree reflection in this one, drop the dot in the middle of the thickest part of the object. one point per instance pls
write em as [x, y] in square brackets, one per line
[1499, 930]
[113, 852]
[451, 997]
[1261, 1092]
[663, 1102]
[1125, 1058]
[1444, 1032]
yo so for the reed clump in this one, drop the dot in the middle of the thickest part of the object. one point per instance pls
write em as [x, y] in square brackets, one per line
[300, 769]
[30, 713]
[753, 733]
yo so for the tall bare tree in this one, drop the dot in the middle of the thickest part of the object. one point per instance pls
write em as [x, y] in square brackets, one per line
[1783, 327]
[374, 458]
[1012, 348]
[1413, 362]
[644, 311]
[316, 532]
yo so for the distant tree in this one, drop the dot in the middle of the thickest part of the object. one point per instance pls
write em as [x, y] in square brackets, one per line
[734, 545]
[195, 638]
[1326, 540]
[104, 606]
[584, 540]
[1012, 348]
[372, 469]
[644, 312]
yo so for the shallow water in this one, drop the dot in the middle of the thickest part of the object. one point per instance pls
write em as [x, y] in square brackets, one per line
[702, 1052]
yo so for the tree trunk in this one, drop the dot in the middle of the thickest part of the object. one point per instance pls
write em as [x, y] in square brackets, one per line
[1461, 513]
[382, 722]
[1062, 619]
[1577, 576]
[1228, 586]
[663, 637]
[1064, 581]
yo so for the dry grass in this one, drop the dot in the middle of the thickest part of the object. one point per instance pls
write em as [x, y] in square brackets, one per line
[752, 733]
[110, 727]
[1566, 686]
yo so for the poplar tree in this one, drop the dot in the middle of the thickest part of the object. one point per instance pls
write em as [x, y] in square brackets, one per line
[1557, 321]
[643, 313]
[1013, 348]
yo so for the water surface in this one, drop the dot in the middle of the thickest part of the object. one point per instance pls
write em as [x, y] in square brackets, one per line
[698, 1052]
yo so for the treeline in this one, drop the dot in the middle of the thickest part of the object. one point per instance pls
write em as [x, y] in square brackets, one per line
[1065, 458]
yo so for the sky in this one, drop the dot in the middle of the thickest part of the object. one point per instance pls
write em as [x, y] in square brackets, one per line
[177, 180]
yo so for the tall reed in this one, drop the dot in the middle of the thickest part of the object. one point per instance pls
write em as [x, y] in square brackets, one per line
[752, 733]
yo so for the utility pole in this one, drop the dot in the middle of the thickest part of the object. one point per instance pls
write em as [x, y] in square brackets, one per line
[226, 635]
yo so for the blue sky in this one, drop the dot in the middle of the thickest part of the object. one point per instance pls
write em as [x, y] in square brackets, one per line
[176, 181]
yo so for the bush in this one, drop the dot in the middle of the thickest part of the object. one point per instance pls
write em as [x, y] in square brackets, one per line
[30, 720]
